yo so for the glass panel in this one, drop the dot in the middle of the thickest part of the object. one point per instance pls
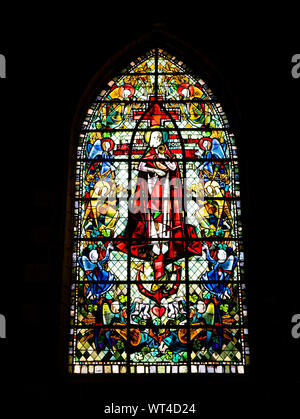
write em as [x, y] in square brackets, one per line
[158, 259]
[100, 303]
[216, 303]
[158, 303]
[158, 345]
[100, 345]
[217, 346]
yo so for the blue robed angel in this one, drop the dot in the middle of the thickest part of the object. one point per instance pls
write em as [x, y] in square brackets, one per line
[222, 268]
[212, 149]
[98, 150]
[101, 280]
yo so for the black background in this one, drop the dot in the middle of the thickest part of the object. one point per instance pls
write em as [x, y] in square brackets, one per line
[51, 57]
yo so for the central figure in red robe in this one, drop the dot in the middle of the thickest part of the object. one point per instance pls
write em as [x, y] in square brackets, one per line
[156, 230]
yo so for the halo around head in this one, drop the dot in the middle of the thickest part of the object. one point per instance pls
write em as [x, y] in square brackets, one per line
[150, 130]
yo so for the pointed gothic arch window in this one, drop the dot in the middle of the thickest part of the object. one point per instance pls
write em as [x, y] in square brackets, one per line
[157, 266]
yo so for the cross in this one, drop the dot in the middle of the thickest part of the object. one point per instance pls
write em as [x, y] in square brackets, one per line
[155, 115]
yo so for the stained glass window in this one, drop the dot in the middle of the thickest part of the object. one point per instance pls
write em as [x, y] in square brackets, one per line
[158, 257]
